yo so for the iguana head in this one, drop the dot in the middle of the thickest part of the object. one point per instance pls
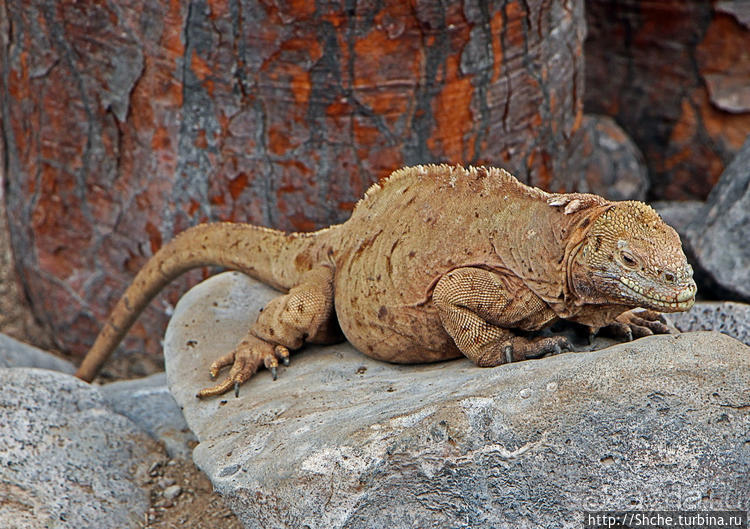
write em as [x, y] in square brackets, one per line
[630, 256]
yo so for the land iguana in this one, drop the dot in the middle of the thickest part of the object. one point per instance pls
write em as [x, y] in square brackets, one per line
[436, 261]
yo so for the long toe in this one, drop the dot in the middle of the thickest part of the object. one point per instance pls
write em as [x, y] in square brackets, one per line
[247, 357]
[221, 363]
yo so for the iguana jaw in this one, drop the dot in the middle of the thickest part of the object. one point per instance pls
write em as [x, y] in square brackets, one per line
[676, 301]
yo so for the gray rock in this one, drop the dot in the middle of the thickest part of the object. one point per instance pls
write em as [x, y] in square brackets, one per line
[148, 403]
[719, 238]
[730, 318]
[341, 440]
[18, 354]
[611, 165]
[679, 213]
[171, 492]
[67, 460]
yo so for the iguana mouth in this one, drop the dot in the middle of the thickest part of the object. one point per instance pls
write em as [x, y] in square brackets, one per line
[683, 300]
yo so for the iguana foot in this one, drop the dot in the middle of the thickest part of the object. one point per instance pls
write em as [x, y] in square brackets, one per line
[523, 348]
[245, 360]
[637, 324]
[519, 348]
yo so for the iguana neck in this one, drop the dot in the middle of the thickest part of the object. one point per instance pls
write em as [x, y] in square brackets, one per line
[577, 289]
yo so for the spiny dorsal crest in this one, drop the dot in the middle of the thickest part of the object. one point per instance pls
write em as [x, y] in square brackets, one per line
[493, 177]
[415, 172]
[574, 202]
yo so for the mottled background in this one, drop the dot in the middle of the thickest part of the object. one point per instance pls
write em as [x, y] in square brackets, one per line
[125, 122]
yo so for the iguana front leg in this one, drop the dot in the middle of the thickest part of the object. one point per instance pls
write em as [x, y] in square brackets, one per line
[305, 314]
[478, 308]
[637, 323]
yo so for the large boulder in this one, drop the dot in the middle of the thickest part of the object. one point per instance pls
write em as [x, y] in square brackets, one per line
[67, 460]
[718, 238]
[612, 165]
[679, 214]
[341, 440]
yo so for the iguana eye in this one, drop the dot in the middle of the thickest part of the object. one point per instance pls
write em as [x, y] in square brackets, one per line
[628, 260]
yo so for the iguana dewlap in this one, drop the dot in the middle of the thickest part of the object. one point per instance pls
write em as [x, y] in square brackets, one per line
[435, 262]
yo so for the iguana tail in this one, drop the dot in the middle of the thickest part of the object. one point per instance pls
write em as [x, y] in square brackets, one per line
[274, 257]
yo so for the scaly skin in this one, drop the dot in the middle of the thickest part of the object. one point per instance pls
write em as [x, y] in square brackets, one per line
[435, 262]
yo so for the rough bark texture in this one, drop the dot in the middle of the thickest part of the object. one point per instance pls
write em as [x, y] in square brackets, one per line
[16, 318]
[126, 122]
[676, 75]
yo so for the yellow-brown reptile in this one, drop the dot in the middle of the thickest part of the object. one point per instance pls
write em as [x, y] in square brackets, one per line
[435, 262]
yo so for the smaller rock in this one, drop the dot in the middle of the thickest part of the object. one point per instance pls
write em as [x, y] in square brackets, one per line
[148, 403]
[679, 213]
[18, 354]
[171, 492]
[730, 318]
[612, 164]
[163, 483]
[153, 469]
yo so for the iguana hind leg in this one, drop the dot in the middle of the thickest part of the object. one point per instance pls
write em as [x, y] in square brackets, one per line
[305, 314]
[478, 308]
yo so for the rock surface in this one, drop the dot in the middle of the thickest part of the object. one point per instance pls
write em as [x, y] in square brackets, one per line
[148, 403]
[719, 237]
[730, 318]
[341, 440]
[18, 354]
[67, 460]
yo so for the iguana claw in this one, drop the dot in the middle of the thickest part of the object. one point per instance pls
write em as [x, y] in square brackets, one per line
[282, 353]
[245, 359]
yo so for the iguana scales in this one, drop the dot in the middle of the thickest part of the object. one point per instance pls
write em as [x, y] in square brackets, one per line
[436, 261]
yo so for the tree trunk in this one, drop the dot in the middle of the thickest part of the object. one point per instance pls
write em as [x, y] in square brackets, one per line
[126, 122]
[675, 74]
